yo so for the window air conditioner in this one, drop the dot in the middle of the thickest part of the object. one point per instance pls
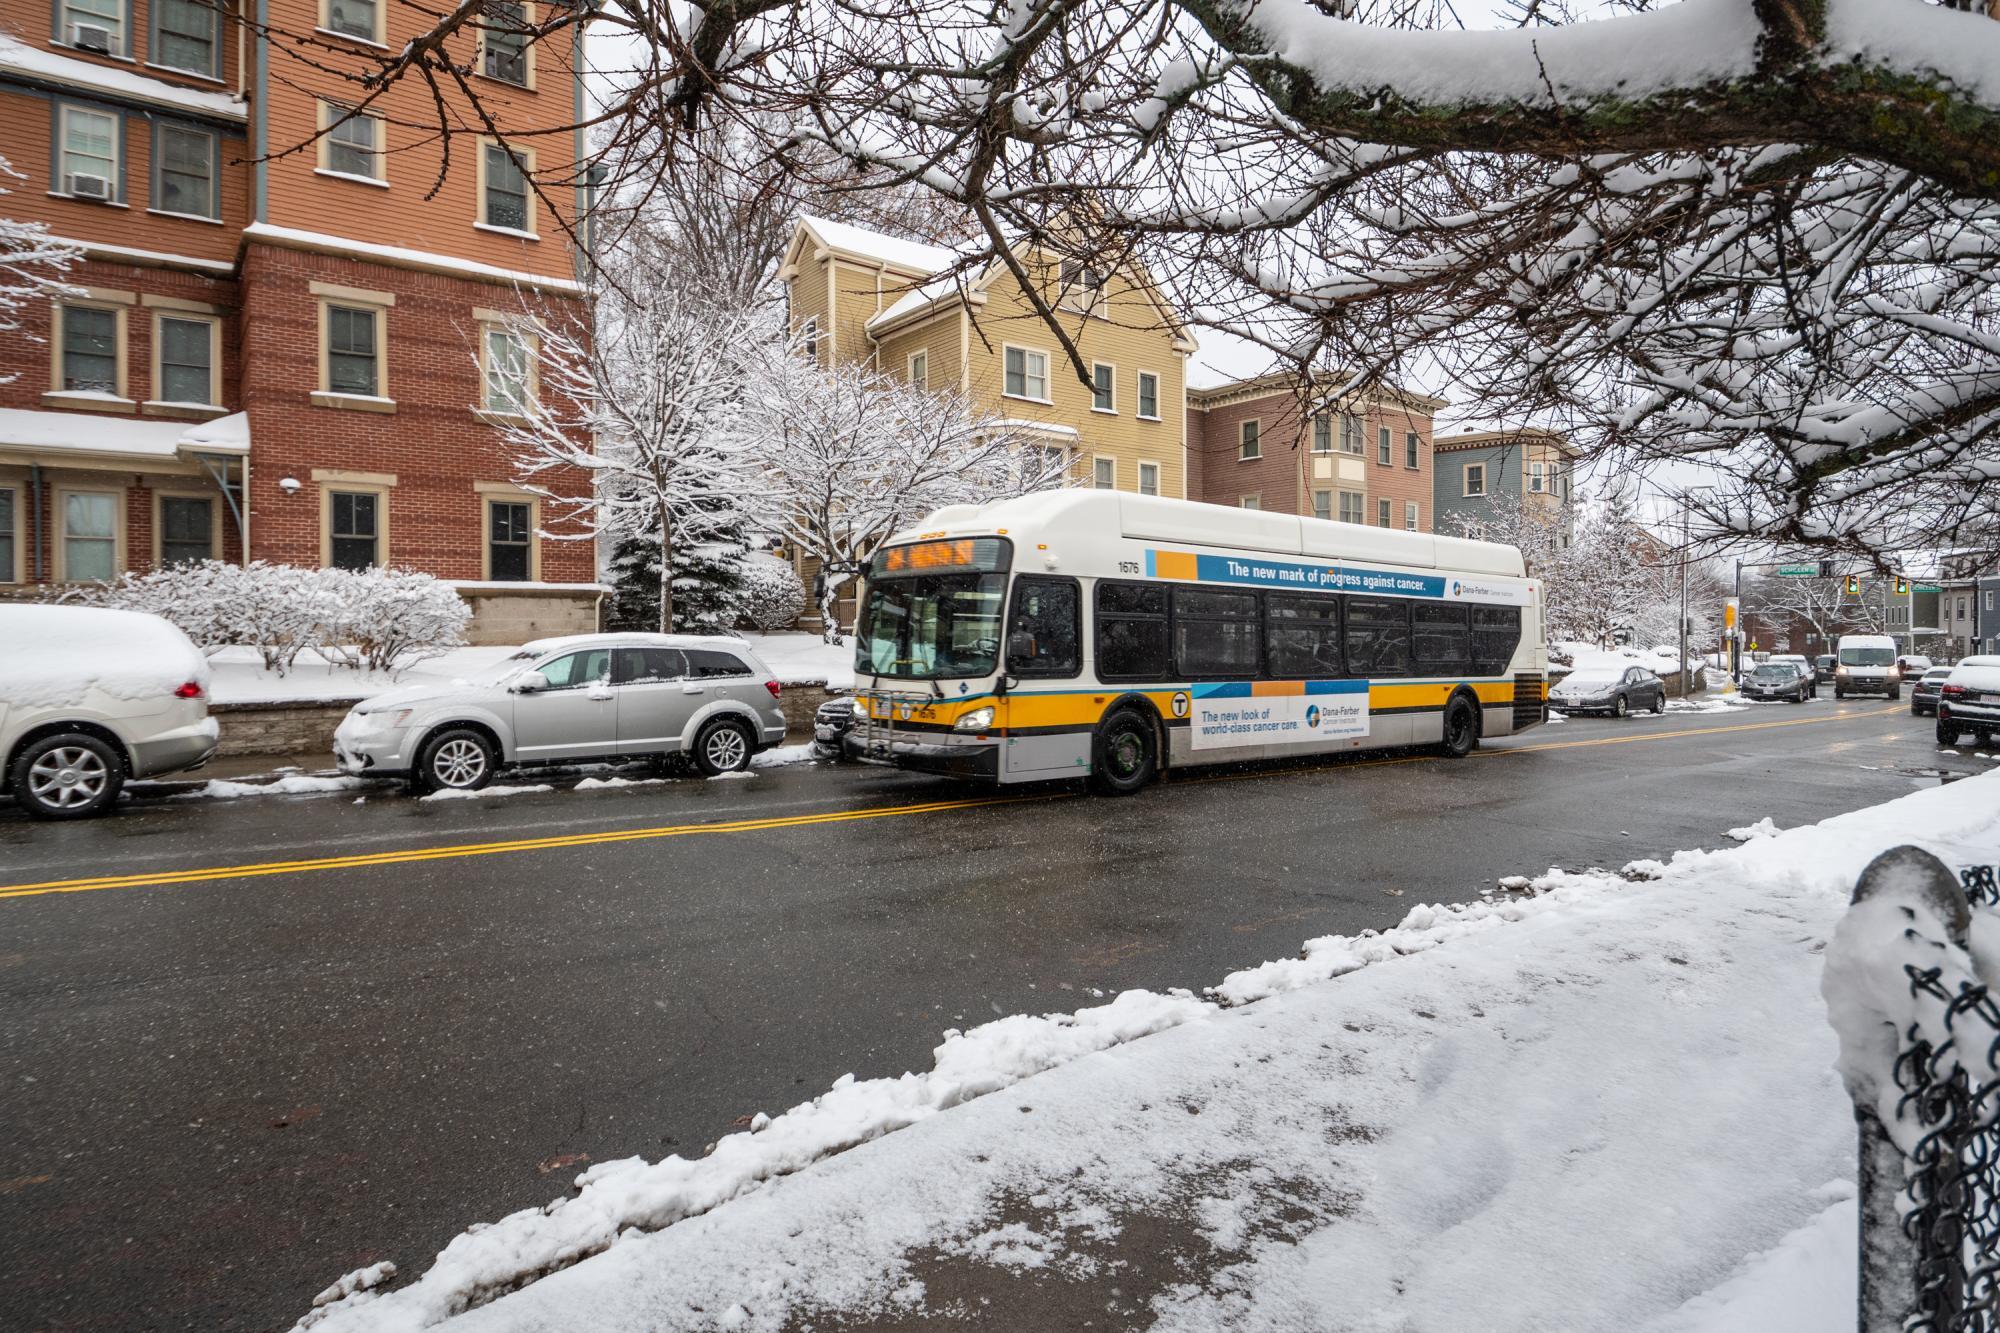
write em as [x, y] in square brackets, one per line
[84, 186]
[93, 37]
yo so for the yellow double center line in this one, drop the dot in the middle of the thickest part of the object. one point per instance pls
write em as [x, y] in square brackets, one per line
[454, 851]
[414, 854]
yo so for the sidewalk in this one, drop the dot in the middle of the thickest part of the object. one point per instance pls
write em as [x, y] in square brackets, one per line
[1593, 1104]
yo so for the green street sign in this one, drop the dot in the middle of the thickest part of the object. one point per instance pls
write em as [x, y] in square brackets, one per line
[1927, 587]
[1798, 571]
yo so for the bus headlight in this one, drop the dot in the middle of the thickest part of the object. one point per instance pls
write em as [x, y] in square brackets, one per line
[979, 719]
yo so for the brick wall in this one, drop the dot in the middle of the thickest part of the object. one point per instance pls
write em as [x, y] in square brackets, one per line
[1273, 477]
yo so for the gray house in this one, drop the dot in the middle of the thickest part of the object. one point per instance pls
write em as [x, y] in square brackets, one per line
[1476, 470]
[1986, 616]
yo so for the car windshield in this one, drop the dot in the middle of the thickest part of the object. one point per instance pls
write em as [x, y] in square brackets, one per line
[1770, 672]
[930, 626]
[1937, 673]
[505, 669]
[1867, 656]
[1595, 676]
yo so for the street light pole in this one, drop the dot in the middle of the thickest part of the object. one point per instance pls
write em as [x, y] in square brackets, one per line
[1686, 540]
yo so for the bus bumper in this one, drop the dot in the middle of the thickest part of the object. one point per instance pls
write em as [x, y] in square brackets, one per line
[949, 757]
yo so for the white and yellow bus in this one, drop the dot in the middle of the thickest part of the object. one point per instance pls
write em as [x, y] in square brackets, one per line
[1105, 635]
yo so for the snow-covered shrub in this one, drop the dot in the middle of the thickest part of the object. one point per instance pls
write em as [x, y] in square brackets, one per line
[770, 595]
[382, 619]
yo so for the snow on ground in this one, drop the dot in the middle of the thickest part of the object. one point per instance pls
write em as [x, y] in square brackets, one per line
[1726, 703]
[292, 784]
[1628, 1072]
[778, 756]
[497, 789]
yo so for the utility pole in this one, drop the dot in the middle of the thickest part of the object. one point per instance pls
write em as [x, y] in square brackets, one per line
[1686, 675]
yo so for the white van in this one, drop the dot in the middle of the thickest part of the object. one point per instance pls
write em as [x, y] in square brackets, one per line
[90, 698]
[1867, 665]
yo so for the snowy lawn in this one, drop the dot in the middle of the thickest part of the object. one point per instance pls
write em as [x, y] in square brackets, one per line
[1598, 1100]
[239, 677]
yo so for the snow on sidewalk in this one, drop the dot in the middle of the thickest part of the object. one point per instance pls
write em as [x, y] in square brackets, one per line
[1582, 1109]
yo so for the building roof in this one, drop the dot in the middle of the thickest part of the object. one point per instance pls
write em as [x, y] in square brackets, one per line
[1276, 382]
[144, 440]
[1487, 439]
[912, 257]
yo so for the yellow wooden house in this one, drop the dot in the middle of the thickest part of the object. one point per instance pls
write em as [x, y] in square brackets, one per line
[917, 312]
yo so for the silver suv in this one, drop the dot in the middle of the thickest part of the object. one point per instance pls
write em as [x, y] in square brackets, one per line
[557, 701]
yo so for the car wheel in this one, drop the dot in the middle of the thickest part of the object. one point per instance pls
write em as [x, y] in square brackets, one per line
[1619, 708]
[722, 747]
[70, 775]
[455, 759]
[1916, 709]
[1123, 755]
[1895, 694]
[1461, 730]
[1660, 702]
[1947, 733]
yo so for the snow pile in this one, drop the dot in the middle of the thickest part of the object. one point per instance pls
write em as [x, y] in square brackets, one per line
[1763, 828]
[1803, 1284]
[241, 677]
[497, 789]
[1495, 1080]
[780, 755]
[62, 655]
[293, 784]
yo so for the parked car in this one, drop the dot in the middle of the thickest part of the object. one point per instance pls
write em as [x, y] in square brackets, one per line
[1970, 701]
[90, 699]
[1609, 689]
[1867, 666]
[832, 721]
[1779, 680]
[1824, 667]
[1924, 691]
[1913, 665]
[559, 701]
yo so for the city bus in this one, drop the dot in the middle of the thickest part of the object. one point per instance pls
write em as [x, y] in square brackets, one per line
[1108, 636]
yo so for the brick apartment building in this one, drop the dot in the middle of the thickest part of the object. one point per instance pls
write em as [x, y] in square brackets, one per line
[280, 349]
[1367, 459]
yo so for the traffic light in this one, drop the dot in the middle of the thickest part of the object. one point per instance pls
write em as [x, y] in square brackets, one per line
[1853, 585]
[1902, 586]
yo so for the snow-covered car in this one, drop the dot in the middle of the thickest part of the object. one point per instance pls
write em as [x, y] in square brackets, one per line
[1779, 680]
[1913, 664]
[588, 697]
[832, 721]
[1609, 689]
[90, 699]
[1925, 690]
[1867, 666]
[1970, 701]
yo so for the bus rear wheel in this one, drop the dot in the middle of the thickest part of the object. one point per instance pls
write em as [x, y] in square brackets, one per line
[1461, 729]
[1124, 755]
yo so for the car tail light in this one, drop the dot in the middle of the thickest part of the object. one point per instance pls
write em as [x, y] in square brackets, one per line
[191, 690]
[1952, 691]
[774, 687]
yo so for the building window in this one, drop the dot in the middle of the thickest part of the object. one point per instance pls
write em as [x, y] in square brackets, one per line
[1385, 452]
[509, 540]
[1251, 502]
[1350, 507]
[1149, 395]
[505, 201]
[1027, 374]
[1082, 286]
[360, 19]
[89, 535]
[1475, 478]
[1323, 504]
[1537, 478]
[1382, 511]
[504, 40]
[507, 371]
[186, 351]
[90, 350]
[1322, 434]
[353, 529]
[1989, 601]
[90, 143]
[1249, 439]
[1101, 378]
[920, 370]
[353, 350]
[7, 574]
[353, 143]
[1350, 434]
[1149, 478]
[1104, 474]
[94, 25]
[1410, 522]
[1411, 443]
[187, 529]
[809, 337]
[184, 175]
[184, 36]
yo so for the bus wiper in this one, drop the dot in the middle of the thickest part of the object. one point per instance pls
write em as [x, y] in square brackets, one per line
[937, 690]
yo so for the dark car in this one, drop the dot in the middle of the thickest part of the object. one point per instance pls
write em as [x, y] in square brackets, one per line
[1924, 694]
[1970, 701]
[1778, 680]
[1824, 667]
[831, 722]
[1609, 689]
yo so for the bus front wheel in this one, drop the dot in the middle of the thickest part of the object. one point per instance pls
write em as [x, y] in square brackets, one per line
[1124, 757]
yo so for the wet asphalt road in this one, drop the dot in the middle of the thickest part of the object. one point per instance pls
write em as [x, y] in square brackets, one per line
[218, 1096]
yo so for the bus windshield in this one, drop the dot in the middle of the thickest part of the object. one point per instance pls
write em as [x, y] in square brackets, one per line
[1867, 656]
[930, 626]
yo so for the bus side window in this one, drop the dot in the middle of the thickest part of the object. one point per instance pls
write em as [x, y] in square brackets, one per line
[1045, 633]
[1378, 637]
[1216, 634]
[1132, 631]
[1302, 636]
[1443, 642]
[1496, 633]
